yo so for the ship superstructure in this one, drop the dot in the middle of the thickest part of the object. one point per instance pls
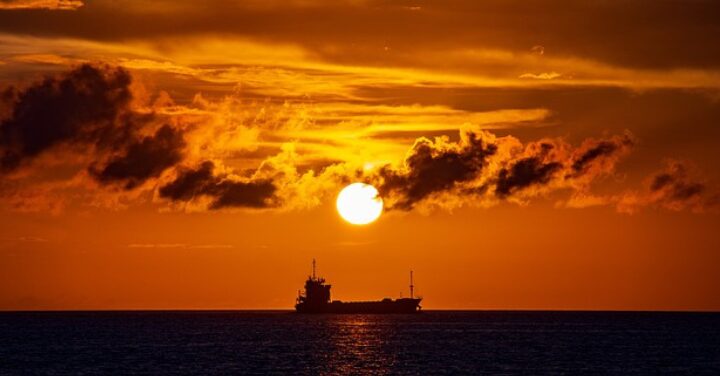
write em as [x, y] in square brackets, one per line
[316, 299]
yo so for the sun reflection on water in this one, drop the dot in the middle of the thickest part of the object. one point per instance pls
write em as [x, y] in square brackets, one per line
[359, 342]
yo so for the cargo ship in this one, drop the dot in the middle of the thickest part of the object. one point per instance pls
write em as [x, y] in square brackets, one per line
[316, 299]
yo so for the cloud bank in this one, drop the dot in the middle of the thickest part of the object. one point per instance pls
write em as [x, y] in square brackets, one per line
[190, 157]
[481, 168]
[89, 110]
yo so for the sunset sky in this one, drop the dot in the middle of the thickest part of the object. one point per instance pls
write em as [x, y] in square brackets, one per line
[530, 154]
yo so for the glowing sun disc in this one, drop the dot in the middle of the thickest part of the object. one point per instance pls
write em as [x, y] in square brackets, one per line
[359, 203]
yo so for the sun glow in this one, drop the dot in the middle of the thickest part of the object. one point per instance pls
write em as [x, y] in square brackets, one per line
[359, 203]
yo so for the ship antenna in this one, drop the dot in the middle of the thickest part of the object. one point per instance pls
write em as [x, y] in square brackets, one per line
[412, 287]
[313, 276]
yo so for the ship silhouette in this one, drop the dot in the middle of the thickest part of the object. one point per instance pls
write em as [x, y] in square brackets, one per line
[316, 299]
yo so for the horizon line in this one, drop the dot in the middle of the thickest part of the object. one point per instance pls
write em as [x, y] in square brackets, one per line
[290, 310]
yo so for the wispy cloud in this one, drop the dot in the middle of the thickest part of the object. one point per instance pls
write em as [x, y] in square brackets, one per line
[541, 76]
[179, 245]
[42, 4]
[32, 239]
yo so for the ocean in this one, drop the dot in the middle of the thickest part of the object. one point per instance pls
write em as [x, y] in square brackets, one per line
[429, 343]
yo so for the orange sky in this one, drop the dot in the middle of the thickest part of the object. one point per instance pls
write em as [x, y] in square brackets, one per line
[530, 155]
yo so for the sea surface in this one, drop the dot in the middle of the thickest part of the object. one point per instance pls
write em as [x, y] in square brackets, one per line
[439, 342]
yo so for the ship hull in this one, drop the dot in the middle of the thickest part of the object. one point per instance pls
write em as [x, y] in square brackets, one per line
[380, 307]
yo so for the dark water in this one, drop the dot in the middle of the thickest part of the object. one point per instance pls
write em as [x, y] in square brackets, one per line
[531, 343]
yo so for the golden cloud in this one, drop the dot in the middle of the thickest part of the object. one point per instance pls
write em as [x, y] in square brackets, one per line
[42, 4]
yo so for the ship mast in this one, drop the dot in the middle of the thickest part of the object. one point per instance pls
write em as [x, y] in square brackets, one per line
[412, 287]
[313, 275]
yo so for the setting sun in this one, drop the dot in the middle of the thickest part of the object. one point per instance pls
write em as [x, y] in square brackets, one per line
[359, 203]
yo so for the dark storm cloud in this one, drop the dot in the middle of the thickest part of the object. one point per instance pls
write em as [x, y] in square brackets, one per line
[675, 184]
[526, 172]
[82, 106]
[481, 163]
[430, 168]
[224, 192]
[553, 162]
[657, 34]
[7, 101]
[676, 187]
[594, 151]
[602, 148]
[87, 109]
[189, 183]
[8, 96]
[144, 158]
